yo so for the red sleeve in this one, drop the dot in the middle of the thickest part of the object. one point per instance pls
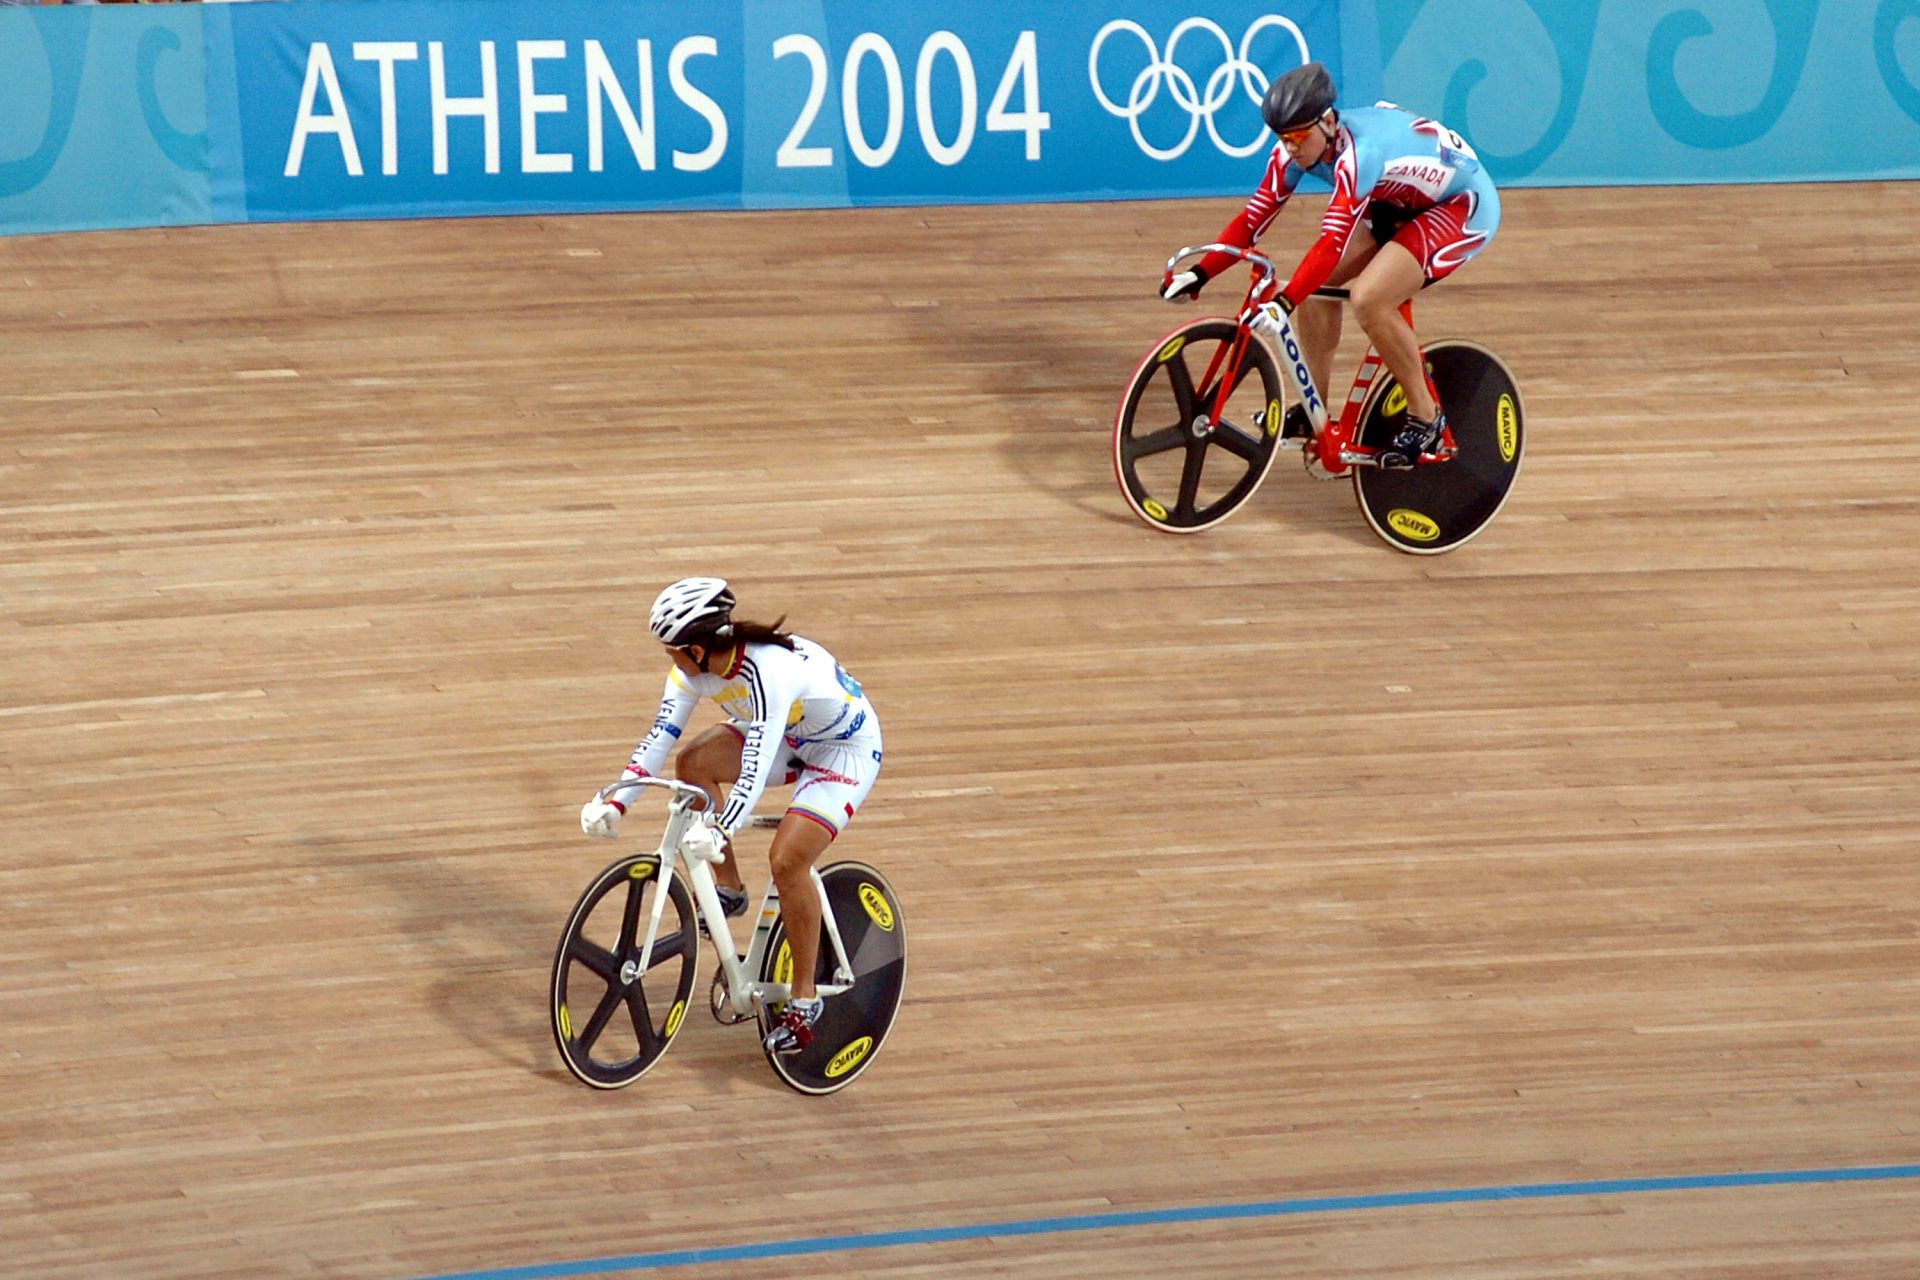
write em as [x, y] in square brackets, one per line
[1336, 228]
[1252, 222]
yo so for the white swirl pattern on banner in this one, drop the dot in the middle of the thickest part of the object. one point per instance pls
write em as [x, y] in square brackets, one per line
[1236, 68]
[144, 116]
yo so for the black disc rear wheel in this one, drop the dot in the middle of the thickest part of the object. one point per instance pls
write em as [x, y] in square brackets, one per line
[1438, 506]
[854, 1024]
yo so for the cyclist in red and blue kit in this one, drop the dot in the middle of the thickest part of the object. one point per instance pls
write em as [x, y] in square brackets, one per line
[1425, 201]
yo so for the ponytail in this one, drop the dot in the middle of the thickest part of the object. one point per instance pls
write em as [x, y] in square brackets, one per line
[761, 633]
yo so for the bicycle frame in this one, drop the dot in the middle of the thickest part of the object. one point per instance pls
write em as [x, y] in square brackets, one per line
[1332, 446]
[742, 991]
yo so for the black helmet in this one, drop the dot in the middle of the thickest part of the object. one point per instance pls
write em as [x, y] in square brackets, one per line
[1298, 98]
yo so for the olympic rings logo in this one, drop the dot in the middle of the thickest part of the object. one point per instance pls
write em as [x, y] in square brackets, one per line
[1235, 70]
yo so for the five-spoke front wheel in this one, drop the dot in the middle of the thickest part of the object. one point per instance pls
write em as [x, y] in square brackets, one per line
[1188, 455]
[612, 1019]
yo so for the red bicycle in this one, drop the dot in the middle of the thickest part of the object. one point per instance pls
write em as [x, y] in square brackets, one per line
[1195, 434]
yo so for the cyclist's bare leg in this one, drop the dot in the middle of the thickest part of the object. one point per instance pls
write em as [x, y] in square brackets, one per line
[1318, 323]
[1393, 276]
[712, 762]
[797, 845]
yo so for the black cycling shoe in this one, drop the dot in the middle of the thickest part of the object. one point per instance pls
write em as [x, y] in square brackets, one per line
[1297, 425]
[732, 901]
[1415, 438]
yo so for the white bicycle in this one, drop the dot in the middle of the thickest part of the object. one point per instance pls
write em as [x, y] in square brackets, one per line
[628, 956]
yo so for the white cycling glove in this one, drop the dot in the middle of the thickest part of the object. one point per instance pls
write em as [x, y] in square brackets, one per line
[1268, 315]
[1182, 286]
[599, 817]
[704, 841]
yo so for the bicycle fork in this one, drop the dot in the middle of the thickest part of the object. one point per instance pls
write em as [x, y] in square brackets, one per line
[678, 819]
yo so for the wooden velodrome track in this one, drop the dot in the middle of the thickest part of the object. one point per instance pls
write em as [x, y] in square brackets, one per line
[1249, 868]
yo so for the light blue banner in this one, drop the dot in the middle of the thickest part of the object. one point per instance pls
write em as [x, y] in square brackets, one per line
[136, 115]
[1586, 92]
[418, 107]
[102, 118]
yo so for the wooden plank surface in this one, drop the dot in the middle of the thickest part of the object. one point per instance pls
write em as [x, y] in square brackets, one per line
[1252, 866]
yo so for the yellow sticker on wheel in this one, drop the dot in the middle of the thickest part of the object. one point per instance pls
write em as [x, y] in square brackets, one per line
[1412, 525]
[877, 906]
[566, 1024]
[673, 1018]
[783, 963]
[849, 1058]
[1506, 420]
[1396, 400]
[1153, 509]
[1273, 418]
[640, 871]
[1172, 349]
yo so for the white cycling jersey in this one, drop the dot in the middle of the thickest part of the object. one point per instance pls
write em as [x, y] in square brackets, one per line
[787, 705]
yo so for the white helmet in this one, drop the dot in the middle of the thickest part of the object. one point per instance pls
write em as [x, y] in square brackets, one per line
[692, 611]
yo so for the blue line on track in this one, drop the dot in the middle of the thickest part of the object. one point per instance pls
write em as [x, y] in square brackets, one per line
[1199, 1213]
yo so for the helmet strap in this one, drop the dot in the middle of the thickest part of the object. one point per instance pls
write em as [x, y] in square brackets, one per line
[721, 639]
[708, 649]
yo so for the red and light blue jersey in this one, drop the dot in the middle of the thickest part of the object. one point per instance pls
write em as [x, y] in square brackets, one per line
[1382, 158]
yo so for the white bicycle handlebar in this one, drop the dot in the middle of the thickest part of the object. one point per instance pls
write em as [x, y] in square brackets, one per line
[681, 790]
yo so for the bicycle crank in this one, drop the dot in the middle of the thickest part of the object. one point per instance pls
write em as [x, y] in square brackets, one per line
[720, 1001]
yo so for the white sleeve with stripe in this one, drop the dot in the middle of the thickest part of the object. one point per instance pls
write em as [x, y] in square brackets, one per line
[677, 702]
[774, 682]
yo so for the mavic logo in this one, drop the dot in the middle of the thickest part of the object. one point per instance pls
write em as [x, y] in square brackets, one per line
[1412, 525]
[849, 1058]
[877, 906]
